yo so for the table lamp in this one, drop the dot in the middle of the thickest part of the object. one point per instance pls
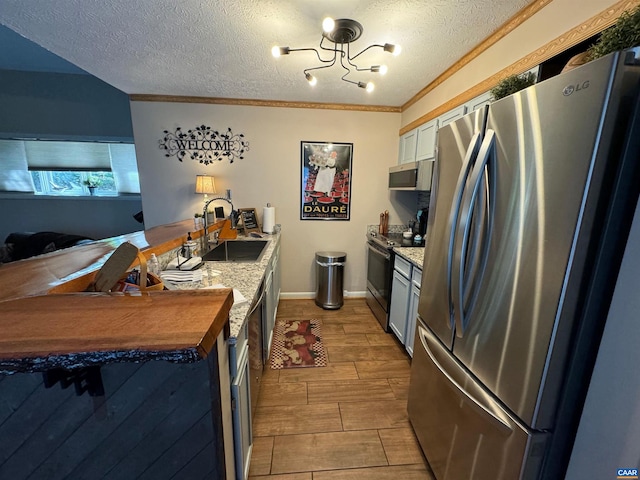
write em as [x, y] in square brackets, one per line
[205, 184]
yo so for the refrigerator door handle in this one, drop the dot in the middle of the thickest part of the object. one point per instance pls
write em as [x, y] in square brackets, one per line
[461, 283]
[454, 218]
[479, 226]
[477, 404]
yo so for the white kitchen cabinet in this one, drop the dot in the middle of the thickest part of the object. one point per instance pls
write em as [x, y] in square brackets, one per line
[419, 143]
[426, 141]
[277, 282]
[400, 293]
[272, 297]
[241, 414]
[478, 102]
[416, 278]
[244, 380]
[405, 296]
[236, 347]
[408, 143]
[452, 115]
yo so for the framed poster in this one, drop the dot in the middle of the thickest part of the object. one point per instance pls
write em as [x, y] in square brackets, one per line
[326, 180]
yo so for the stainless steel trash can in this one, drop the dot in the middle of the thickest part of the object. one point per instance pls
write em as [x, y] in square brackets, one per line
[330, 279]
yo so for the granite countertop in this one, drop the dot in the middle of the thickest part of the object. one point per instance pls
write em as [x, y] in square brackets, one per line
[245, 277]
[413, 254]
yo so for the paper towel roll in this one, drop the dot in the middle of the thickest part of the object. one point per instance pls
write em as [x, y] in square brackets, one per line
[268, 219]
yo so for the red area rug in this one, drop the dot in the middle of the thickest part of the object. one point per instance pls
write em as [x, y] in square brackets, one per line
[297, 343]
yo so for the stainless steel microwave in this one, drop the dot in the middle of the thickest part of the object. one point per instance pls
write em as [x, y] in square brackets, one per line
[411, 176]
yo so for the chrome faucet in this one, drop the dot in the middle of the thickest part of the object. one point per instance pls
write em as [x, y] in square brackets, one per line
[233, 216]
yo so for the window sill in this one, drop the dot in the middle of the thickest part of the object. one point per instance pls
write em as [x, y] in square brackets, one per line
[30, 196]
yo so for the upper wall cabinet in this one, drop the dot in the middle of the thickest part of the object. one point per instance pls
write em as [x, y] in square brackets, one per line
[426, 148]
[419, 143]
[452, 115]
[478, 102]
[408, 144]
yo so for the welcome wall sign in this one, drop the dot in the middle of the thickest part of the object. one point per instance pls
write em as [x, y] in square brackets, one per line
[204, 145]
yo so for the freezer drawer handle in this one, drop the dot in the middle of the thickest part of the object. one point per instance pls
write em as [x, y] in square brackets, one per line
[477, 404]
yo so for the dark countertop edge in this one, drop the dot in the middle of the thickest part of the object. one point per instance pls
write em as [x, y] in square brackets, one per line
[73, 360]
[87, 359]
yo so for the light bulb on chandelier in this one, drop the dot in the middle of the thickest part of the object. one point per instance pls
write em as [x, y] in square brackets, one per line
[311, 79]
[328, 24]
[341, 33]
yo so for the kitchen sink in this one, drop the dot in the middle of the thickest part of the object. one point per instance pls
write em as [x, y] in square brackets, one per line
[236, 251]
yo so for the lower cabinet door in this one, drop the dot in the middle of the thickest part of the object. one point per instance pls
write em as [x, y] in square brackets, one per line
[411, 319]
[399, 305]
[241, 406]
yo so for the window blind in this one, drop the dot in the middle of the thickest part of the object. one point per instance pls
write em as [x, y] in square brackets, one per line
[14, 176]
[124, 167]
[47, 155]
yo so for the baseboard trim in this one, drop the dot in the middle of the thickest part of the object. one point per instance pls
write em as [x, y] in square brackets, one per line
[297, 295]
[312, 295]
[355, 294]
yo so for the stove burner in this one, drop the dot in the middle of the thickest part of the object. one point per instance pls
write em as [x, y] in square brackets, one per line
[392, 240]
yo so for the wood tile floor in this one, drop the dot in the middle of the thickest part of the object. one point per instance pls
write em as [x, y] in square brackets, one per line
[347, 420]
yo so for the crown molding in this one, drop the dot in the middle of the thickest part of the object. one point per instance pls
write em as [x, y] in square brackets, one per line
[506, 28]
[574, 36]
[262, 103]
[585, 30]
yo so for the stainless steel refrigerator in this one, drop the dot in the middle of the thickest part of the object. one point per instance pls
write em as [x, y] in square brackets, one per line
[530, 211]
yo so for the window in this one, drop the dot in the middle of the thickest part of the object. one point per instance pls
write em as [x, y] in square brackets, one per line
[65, 168]
[69, 182]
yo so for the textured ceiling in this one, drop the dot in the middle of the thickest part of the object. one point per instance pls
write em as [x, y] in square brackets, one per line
[221, 48]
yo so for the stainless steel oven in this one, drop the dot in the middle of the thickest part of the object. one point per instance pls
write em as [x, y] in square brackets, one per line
[379, 275]
[380, 258]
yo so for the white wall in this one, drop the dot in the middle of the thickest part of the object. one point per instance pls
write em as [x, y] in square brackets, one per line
[608, 436]
[270, 172]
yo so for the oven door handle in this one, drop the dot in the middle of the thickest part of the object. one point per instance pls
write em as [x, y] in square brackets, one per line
[377, 251]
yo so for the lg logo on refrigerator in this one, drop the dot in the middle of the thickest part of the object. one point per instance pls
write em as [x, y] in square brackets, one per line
[569, 89]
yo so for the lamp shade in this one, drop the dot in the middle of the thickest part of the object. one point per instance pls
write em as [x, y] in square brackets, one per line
[205, 184]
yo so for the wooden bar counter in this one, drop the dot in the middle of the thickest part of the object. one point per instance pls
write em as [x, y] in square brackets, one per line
[111, 385]
[83, 329]
[70, 269]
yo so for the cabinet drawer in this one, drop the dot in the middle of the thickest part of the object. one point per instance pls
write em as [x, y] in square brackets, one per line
[403, 266]
[416, 277]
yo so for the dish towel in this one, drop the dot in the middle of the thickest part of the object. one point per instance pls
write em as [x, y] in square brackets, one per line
[238, 298]
[181, 276]
[184, 263]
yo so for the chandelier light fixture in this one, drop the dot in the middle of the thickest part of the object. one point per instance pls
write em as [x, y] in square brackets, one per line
[339, 34]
